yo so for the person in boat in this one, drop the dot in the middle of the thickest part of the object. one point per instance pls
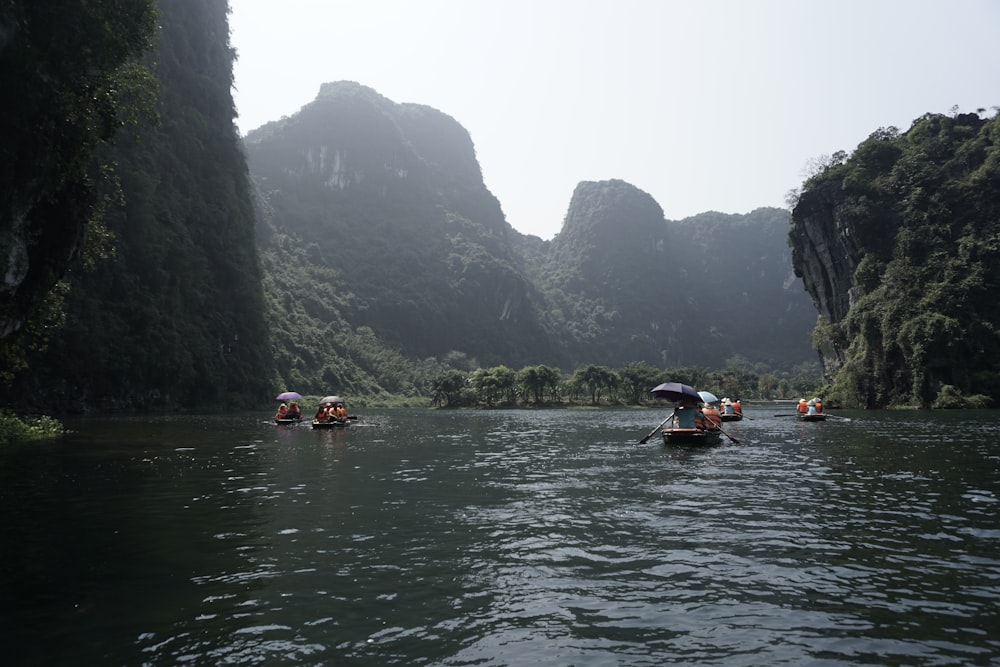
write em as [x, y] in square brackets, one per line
[728, 408]
[712, 417]
[294, 411]
[737, 408]
[321, 414]
[339, 413]
[282, 411]
[689, 415]
[819, 405]
[803, 406]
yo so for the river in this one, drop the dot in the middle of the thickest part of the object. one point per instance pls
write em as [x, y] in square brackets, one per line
[504, 538]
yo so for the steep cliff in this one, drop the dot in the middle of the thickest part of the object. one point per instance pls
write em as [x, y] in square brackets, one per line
[898, 244]
[626, 285]
[67, 82]
[176, 317]
[411, 244]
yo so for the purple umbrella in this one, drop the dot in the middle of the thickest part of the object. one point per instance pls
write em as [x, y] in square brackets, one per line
[288, 396]
[676, 392]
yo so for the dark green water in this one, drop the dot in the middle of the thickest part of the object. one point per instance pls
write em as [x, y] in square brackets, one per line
[504, 538]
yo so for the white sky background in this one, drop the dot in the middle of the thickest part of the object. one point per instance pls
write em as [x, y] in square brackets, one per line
[707, 105]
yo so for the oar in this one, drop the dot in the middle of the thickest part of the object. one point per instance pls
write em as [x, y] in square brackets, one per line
[658, 427]
[731, 438]
[794, 414]
[846, 419]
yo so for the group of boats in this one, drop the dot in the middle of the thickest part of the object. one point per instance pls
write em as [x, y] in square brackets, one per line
[698, 416]
[330, 413]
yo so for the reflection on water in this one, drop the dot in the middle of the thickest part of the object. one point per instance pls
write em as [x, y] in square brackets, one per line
[504, 538]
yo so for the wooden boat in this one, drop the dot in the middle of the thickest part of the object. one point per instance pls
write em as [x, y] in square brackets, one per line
[735, 417]
[330, 424]
[288, 420]
[690, 436]
[816, 417]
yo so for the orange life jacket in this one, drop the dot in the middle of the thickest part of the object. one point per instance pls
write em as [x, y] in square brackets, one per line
[712, 418]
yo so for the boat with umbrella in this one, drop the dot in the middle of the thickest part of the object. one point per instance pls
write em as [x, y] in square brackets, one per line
[332, 413]
[687, 423]
[292, 414]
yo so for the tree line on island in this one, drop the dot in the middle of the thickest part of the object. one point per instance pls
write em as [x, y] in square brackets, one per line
[546, 386]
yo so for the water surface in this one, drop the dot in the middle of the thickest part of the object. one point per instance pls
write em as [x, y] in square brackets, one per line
[504, 538]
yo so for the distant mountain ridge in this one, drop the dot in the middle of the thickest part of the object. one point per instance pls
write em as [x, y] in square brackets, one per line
[387, 201]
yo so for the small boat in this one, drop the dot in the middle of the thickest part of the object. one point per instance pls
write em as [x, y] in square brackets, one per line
[288, 420]
[731, 412]
[814, 417]
[690, 436]
[316, 423]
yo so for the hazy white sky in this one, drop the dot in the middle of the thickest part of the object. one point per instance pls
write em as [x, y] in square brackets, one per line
[705, 104]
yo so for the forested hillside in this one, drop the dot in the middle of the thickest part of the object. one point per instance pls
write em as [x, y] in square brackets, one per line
[898, 243]
[387, 259]
[175, 318]
[383, 244]
[622, 284]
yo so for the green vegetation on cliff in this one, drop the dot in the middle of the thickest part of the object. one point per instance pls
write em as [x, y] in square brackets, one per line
[70, 83]
[175, 317]
[899, 244]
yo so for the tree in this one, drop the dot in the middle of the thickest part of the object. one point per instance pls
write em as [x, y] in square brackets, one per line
[536, 380]
[596, 379]
[637, 379]
[446, 388]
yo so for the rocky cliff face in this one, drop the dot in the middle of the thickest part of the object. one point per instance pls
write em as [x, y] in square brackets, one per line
[699, 291]
[896, 244]
[825, 254]
[393, 199]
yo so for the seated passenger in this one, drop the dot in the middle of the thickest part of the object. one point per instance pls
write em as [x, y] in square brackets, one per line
[713, 419]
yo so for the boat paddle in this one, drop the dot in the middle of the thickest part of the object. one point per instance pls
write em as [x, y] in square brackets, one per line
[794, 414]
[658, 427]
[731, 438]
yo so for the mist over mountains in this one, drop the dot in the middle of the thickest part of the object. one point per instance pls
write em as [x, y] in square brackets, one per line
[387, 202]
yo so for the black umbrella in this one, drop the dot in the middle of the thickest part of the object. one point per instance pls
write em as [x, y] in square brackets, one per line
[676, 392]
